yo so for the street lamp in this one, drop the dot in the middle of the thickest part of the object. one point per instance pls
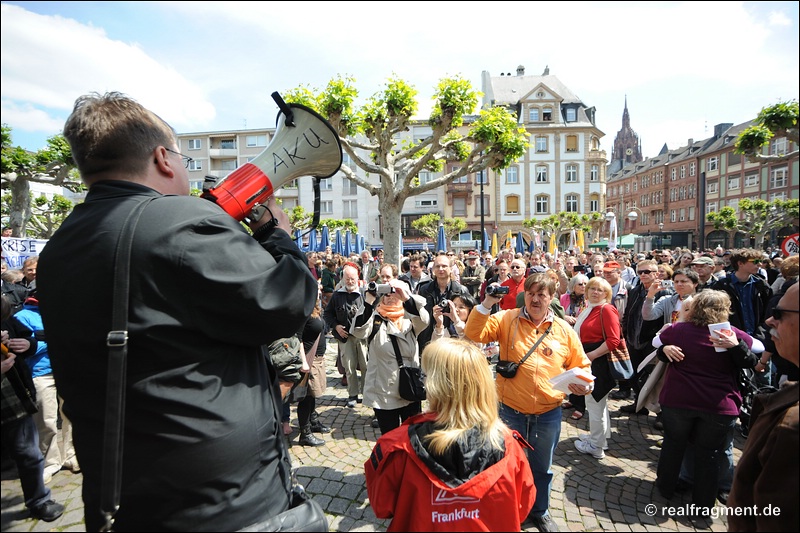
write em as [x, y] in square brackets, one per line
[612, 215]
[660, 235]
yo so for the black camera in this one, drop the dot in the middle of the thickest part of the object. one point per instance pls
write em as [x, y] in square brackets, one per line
[579, 268]
[445, 305]
[379, 288]
[497, 290]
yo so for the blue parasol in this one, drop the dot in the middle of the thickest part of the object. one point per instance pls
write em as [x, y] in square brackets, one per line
[348, 245]
[486, 241]
[520, 244]
[337, 242]
[298, 239]
[441, 240]
[358, 244]
[312, 240]
[325, 239]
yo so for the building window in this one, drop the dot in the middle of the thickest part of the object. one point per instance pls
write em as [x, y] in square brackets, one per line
[512, 205]
[777, 196]
[572, 203]
[711, 207]
[712, 187]
[542, 205]
[349, 188]
[733, 182]
[227, 164]
[734, 204]
[486, 205]
[326, 184]
[572, 143]
[512, 175]
[195, 144]
[751, 179]
[459, 206]
[692, 189]
[673, 215]
[673, 174]
[426, 203]
[195, 164]
[541, 174]
[533, 114]
[571, 114]
[691, 212]
[778, 146]
[683, 171]
[227, 144]
[594, 205]
[541, 144]
[713, 163]
[691, 168]
[734, 159]
[682, 214]
[256, 140]
[594, 174]
[424, 177]
[572, 173]
[350, 209]
[547, 114]
[480, 177]
[778, 177]
[326, 207]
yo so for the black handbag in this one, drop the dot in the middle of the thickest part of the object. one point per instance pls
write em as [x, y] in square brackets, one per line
[411, 380]
[508, 369]
[304, 514]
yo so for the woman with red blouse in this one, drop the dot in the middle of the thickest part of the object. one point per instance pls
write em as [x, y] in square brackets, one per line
[598, 327]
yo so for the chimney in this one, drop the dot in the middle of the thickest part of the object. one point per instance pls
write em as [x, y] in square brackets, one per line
[719, 129]
[691, 142]
[520, 70]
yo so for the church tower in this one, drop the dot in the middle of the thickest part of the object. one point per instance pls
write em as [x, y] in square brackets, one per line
[627, 146]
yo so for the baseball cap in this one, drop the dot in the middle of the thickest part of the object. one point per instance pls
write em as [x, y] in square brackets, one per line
[703, 261]
[538, 268]
[611, 265]
[472, 254]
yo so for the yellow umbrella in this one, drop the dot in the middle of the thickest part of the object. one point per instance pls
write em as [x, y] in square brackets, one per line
[508, 241]
[494, 245]
[553, 248]
[581, 244]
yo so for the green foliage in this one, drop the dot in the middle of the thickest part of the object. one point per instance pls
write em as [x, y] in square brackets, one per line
[779, 119]
[428, 225]
[756, 218]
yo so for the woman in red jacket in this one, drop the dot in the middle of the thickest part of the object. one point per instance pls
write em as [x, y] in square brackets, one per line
[598, 327]
[456, 467]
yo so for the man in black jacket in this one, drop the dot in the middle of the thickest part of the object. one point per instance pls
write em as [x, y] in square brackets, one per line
[440, 288]
[203, 440]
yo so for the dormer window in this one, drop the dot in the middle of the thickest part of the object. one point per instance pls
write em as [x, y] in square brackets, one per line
[571, 115]
[547, 114]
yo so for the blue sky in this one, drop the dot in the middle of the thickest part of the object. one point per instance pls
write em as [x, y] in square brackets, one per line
[684, 66]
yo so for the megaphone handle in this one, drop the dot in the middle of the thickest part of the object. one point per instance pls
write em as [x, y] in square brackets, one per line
[285, 109]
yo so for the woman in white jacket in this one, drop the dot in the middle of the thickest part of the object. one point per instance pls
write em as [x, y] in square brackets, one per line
[398, 315]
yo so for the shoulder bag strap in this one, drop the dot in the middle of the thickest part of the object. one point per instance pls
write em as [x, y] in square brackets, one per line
[117, 342]
[396, 350]
[536, 344]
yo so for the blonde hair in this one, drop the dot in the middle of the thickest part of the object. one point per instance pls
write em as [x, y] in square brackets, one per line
[462, 393]
[601, 282]
[709, 307]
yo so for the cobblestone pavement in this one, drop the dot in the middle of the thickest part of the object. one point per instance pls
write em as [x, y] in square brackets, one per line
[612, 494]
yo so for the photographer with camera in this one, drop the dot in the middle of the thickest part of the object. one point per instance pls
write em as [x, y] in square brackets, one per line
[390, 323]
[441, 287]
[529, 404]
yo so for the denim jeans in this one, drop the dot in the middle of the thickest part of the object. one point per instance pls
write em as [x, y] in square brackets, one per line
[542, 432]
[725, 466]
[21, 440]
[709, 433]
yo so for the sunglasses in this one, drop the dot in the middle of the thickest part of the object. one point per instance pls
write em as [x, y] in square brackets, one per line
[756, 261]
[777, 312]
[516, 267]
[645, 272]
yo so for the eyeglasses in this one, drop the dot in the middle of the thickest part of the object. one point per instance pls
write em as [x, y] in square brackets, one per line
[450, 253]
[516, 267]
[644, 272]
[186, 158]
[756, 261]
[777, 312]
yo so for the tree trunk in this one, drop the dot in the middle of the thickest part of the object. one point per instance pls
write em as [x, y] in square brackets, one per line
[391, 208]
[20, 206]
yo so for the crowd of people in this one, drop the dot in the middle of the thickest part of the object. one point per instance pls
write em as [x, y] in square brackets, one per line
[207, 393]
